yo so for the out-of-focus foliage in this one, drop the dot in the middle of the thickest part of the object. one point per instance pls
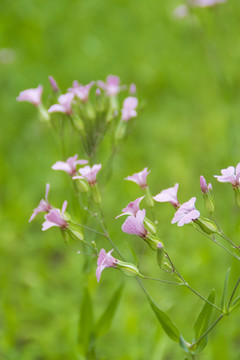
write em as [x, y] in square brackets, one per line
[187, 73]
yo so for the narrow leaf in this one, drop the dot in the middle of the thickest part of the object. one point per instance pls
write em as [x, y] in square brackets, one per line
[105, 321]
[235, 303]
[85, 322]
[225, 289]
[167, 324]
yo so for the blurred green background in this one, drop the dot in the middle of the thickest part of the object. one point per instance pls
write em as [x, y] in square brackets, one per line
[187, 72]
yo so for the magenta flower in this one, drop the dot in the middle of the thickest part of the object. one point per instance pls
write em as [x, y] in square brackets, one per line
[70, 166]
[186, 213]
[43, 206]
[132, 208]
[81, 91]
[231, 175]
[140, 178]
[112, 85]
[105, 260]
[134, 224]
[55, 218]
[169, 195]
[31, 95]
[203, 185]
[129, 106]
[89, 173]
[53, 84]
[65, 104]
[206, 3]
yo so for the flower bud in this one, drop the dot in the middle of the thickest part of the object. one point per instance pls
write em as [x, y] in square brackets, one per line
[75, 231]
[208, 226]
[44, 115]
[53, 84]
[208, 202]
[149, 225]
[153, 241]
[128, 268]
[149, 198]
[160, 254]
[82, 185]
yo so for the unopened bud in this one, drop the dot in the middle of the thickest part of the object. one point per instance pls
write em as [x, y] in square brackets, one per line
[128, 268]
[75, 231]
[208, 226]
[152, 241]
[53, 84]
[160, 254]
[82, 185]
[208, 202]
[149, 225]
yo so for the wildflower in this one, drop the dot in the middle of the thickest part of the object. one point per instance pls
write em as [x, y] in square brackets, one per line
[169, 195]
[43, 206]
[129, 106]
[132, 89]
[140, 178]
[65, 104]
[105, 260]
[112, 85]
[181, 11]
[31, 95]
[134, 224]
[55, 218]
[53, 84]
[89, 173]
[231, 175]
[206, 3]
[81, 91]
[186, 213]
[132, 208]
[203, 185]
[70, 165]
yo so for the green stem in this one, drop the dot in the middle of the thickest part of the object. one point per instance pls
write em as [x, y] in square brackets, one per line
[233, 293]
[160, 280]
[208, 330]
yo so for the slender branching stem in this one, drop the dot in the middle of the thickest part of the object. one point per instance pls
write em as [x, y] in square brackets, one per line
[233, 293]
[208, 330]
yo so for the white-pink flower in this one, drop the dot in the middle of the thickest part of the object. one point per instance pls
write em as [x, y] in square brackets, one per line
[105, 260]
[129, 108]
[168, 195]
[132, 208]
[65, 104]
[43, 206]
[81, 91]
[134, 224]
[89, 173]
[206, 3]
[186, 213]
[205, 188]
[32, 96]
[181, 11]
[231, 175]
[70, 166]
[111, 86]
[55, 218]
[140, 178]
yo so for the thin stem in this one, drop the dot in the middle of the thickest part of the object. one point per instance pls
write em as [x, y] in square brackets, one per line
[225, 237]
[160, 280]
[90, 229]
[233, 293]
[208, 330]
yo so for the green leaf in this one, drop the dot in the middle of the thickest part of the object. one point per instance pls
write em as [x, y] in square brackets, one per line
[85, 327]
[167, 324]
[235, 303]
[105, 321]
[202, 323]
[224, 303]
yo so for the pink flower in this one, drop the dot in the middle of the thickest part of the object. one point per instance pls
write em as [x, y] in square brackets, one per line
[181, 12]
[206, 3]
[129, 106]
[81, 91]
[140, 178]
[132, 208]
[104, 260]
[186, 213]
[65, 104]
[132, 89]
[43, 206]
[169, 195]
[203, 185]
[231, 175]
[70, 165]
[53, 84]
[89, 173]
[55, 218]
[134, 224]
[112, 85]
[31, 95]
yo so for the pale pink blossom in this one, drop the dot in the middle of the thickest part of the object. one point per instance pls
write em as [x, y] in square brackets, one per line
[70, 166]
[81, 91]
[132, 89]
[43, 206]
[186, 213]
[231, 175]
[140, 178]
[53, 84]
[181, 11]
[89, 173]
[111, 86]
[65, 104]
[105, 260]
[134, 224]
[31, 95]
[168, 195]
[206, 3]
[205, 188]
[132, 208]
[55, 218]
[129, 108]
